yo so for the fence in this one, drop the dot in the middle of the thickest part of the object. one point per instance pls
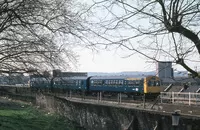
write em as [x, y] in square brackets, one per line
[180, 98]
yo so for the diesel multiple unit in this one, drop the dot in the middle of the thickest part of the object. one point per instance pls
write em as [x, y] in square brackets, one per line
[105, 84]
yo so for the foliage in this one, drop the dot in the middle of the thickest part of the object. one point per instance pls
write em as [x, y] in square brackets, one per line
[38, 35]
[157, 29]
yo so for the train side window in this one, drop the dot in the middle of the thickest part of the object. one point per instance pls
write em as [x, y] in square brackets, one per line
[141, 82]
[76, 82]
[79, 82]
[107, 82]
[111, 82]
[82, 83]
[120, 82]
[125, 82]
[100, 82]
[95, 83]
[137, 82]
[103, 82]
[92, 82]
[116, 82]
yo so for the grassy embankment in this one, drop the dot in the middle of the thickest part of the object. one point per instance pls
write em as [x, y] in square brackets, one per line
[19, 116]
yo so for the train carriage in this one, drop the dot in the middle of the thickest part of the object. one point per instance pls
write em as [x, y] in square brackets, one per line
[129, 85]
[149, 85]
[70, 83]
[106, 83]
[39, 83]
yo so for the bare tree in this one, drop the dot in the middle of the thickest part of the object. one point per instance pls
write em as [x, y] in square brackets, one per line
[164, 29]
[39, 34]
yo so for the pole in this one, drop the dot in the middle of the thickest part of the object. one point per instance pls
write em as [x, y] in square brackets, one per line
[189, 99]
[120, 97]
[100, 96]
[161, 95]
[172, 97]
[144, 100]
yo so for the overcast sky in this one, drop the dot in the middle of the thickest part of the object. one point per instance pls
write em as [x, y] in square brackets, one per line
[113, 61]
[110, 61]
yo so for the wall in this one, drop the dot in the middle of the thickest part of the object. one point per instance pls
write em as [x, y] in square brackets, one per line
[101, 117]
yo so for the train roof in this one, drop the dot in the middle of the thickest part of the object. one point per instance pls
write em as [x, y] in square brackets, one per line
[75, 77]
[117, 77]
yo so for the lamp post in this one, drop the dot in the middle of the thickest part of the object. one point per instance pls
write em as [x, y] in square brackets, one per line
[175, 119]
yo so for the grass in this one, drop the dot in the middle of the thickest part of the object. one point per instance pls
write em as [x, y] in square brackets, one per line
[17, 116]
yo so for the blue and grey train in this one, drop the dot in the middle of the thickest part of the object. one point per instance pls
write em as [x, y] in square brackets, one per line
[105, 84]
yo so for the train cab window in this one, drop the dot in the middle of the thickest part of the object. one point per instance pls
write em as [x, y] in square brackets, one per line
[157, 83]
[153, 83]
[149, 83]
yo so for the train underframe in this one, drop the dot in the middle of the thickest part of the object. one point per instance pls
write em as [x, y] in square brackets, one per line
[69, 92]
[131, 95]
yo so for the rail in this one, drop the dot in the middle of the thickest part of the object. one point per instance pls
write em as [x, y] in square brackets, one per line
[180, 98]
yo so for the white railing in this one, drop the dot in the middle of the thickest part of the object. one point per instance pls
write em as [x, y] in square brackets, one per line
[180, 98]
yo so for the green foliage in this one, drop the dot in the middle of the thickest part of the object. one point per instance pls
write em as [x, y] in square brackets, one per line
[24, 117]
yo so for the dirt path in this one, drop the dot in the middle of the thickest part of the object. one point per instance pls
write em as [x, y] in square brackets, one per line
[6, 103]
